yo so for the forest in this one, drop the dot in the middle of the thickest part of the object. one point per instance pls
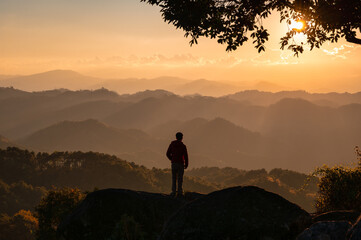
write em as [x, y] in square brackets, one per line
[29, 177]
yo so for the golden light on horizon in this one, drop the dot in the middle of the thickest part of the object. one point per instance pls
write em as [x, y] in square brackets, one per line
[129, 39]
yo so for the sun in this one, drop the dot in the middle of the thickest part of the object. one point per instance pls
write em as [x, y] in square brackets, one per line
[298, 25]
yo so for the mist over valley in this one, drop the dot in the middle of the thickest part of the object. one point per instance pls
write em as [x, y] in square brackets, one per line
[249, 129]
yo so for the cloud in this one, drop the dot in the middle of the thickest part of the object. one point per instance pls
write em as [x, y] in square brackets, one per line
[159, 60]
[274, 57]
[340, 52]
[231, 61]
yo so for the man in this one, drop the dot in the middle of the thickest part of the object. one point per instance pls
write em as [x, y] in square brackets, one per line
[177, 154]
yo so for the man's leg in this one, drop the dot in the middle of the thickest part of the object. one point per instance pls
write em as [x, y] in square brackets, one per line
[174, 178]
[180, 178]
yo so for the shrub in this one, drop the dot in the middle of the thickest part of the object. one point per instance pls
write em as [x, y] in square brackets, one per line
[56, 205]
[339, 189]
[20, 226]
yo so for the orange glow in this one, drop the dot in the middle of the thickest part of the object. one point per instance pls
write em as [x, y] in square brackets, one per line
[129, 39]
[298, 25]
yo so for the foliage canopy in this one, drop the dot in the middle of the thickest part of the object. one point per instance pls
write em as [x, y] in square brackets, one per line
[22, 225]
[56, 205]
[339, 189]
[233, 22]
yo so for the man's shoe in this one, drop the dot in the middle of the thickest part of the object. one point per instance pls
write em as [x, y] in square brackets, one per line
[172, 194]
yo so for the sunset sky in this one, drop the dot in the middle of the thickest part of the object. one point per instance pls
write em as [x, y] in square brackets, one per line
[127, 38]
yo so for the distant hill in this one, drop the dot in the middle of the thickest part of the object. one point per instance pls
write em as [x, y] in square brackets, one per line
[134, 85]
[78, 112]
[71, 80]
[92, 135]
[138, 96]
[184, 86]
[324, 99]
[211, 143]
[27, 112]
[205, 87]
[218, 142]
[267, 86]
[172, 84]
[256, 92]
[10, 92]
[88, 135]
[150, 112]
[293, 132]
[2, 77]
[210, 135]
[4, 143]
[50, 80]
[23, 113]
[313, 134]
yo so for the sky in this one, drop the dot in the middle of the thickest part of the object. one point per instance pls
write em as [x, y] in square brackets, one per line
[128, 38]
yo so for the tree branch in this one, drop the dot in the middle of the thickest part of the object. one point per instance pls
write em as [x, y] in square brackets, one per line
[353, 39]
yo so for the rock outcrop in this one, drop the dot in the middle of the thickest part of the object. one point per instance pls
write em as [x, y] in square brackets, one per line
[335, 225]
[350, 216]
[355, 232]
[248, 213]
[330, 230]
[114, 213]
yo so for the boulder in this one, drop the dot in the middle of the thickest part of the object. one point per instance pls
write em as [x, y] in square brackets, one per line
[355, 231]
[327, 230]
[345, 215]
[248, 213]
[114, 213]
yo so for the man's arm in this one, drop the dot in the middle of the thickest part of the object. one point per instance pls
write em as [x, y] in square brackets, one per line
[169, 152]
[185, 157]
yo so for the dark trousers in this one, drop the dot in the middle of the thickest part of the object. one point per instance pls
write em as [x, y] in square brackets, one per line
[177, 174]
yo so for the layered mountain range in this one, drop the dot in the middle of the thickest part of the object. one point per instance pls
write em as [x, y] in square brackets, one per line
[74, 81]
[247, 130]
[67, 79]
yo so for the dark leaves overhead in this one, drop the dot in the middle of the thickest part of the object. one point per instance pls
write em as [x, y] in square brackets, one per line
[232, 22]
[227, 21]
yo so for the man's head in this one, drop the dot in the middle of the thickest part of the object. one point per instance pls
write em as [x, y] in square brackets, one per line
[179, 136]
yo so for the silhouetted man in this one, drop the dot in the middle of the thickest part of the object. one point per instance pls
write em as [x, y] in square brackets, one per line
[177, 154]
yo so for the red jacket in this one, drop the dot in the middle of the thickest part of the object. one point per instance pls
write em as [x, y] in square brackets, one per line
[177, 152]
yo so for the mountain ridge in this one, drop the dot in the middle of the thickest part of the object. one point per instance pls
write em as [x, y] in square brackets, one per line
[87, 135]
[5, 143]
[295, 133]
[50, 80]
[70, 79]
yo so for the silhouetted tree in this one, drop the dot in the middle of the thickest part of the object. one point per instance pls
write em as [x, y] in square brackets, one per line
[339, 189]
[57, 204]
[20, 226]
[232, 22]
[19, 195]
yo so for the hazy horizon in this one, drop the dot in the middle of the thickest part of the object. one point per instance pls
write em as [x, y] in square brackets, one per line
[128, 39]
[98, 82]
